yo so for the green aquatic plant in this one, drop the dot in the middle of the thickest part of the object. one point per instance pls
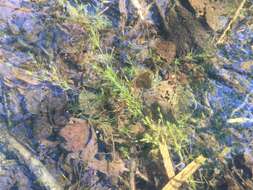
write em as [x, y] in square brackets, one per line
[122, 89]
[92, 23]
[54, 75]
[197, 57]
[174, 133]
[118, 87]
[173, 136]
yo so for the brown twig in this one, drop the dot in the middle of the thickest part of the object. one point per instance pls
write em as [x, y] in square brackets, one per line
[30, 160]
[132, 174]
[142, 176]
[237, 13]
[123, 14]
[15, 8]
[133, 167]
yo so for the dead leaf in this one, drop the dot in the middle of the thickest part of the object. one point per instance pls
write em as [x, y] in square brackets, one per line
[81, 140]
[113, 168]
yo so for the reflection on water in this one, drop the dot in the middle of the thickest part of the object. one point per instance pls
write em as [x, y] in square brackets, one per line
[235, 98]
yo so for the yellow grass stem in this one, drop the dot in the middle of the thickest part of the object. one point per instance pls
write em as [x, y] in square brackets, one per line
[237, 13]
[168, 164]
[176, 182]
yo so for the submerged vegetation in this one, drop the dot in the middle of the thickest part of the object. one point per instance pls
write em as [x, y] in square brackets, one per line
[126, 101]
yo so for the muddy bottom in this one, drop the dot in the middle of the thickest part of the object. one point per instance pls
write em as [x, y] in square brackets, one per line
[125, 95]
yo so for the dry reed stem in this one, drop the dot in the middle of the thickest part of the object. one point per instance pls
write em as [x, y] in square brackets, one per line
[237, 13]
[240, 120]
[168, 164]
[176, 182]
[142, 8]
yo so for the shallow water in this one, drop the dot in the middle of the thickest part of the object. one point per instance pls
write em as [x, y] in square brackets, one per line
[233, 98]
[23, 35]
[22, 92]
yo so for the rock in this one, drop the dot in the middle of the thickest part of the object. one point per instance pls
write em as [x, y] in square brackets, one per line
[32, 106]
[165, 49]
[185, 30]
[12, 73]
[13, 175]
[48, 106]
[174, 100]
[15, 30]
[216, 13]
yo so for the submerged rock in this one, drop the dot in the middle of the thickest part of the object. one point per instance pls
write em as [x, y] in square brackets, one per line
[165, 49]
[12, 174]
[185, 30]
[175, 101]
[216, 13]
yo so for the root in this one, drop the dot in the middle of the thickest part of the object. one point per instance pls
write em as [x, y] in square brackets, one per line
[39, 170]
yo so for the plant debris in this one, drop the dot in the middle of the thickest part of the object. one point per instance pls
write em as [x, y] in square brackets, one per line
[126, 94]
